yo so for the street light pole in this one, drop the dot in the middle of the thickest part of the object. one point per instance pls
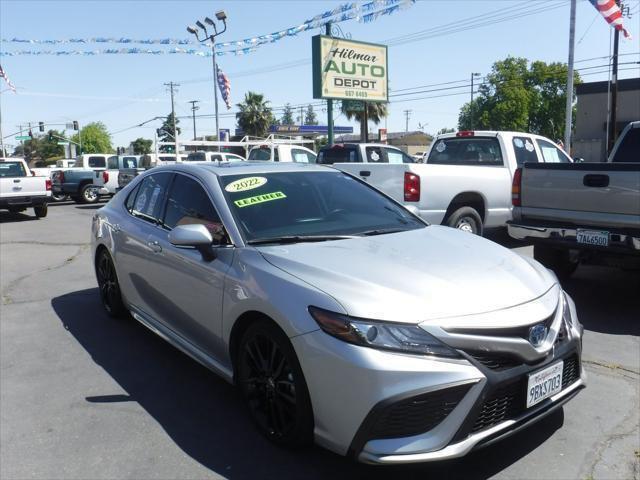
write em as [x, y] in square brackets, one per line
[220, 16]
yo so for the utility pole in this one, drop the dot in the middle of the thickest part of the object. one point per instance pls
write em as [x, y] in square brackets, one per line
[171, 86]
[407, 114]
[301, 115]
[329, 101]
[473, 75]
[613, 131]
[568, 114]
[193, 111]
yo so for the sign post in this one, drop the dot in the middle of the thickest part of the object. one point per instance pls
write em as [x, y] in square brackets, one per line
[348, 70]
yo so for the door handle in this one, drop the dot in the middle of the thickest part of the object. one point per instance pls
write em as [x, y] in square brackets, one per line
[365, 173]
[155, 246]
[596, 180]
[16, 180]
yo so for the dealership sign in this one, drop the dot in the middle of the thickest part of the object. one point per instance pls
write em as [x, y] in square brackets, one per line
[349, 70]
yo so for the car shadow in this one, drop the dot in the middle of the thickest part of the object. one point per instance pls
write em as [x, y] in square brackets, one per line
[607, 299]
[205, 418]
[16, 217]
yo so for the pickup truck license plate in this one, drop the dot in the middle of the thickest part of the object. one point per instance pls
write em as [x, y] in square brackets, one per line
[593, 237]
[544, 383]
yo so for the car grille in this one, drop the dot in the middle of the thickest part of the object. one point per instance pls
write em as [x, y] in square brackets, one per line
[508, 402]
[521, 332]
[495, 361]
[417, 414]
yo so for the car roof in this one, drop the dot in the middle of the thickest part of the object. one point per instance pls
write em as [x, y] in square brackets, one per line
[245, 168]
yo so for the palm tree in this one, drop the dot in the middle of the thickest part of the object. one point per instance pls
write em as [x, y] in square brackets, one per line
[255, 116]
[375, 113]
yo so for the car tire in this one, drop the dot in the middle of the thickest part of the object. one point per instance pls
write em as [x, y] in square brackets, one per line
[58, 197]
[109, 286]
[88, 195]
[41, 210]
[559, 261]
[466, 219]
[273, 386]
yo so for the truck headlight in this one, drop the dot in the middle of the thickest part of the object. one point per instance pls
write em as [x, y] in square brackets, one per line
[396, 337]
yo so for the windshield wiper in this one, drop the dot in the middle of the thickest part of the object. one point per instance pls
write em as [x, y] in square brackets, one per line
[298, 239]
[381, 231]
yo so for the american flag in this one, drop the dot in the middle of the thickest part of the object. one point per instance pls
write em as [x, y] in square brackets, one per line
[6, 79]
[611, 13]
[225, 87]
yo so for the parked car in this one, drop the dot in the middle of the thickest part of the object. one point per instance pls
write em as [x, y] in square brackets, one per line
[214, 157]
[362, 153]
[466, 180]
[282, 153]
[418, 157]
[82, 185]
[340, 315]
[19, 189]
[48, 171]
[582, 212]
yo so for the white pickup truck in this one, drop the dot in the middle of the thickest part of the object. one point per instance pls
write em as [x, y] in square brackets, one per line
[466, 179]
[584, 212]
[19, 189]
[278, 152]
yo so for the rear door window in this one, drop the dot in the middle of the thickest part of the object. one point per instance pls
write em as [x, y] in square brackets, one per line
[375, 155]
[397, 156]
[467, 151]
[12, 169]
[97, 162]
[524, 150]
[551, 153]
[629, 149]
[338, 154]
[150, 198]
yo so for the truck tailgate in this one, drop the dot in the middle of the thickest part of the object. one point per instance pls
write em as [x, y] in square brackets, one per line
[587, 193]
[387, 177]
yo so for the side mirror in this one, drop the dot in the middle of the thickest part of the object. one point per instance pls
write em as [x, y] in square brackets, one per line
[193, 236]
[413, 209]
[578, 160]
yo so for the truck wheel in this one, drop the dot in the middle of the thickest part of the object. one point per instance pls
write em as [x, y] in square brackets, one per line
[41, 210]
[557, 260]
[466, 219]
[88, 194]
[58, 197]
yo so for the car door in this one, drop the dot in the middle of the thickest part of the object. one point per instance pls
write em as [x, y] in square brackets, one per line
[191, 287]
[135, 252]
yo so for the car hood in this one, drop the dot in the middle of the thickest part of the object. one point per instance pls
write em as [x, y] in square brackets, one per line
[415, 276]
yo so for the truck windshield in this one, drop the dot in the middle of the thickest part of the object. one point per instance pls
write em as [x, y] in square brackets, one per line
[311, 205]
[12, 169]
[466, 151]
[629, 149]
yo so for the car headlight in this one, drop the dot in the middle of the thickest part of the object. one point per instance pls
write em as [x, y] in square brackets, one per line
[381, 335]
[566, 313]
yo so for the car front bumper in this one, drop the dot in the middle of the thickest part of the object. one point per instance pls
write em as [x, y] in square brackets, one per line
[362, 397]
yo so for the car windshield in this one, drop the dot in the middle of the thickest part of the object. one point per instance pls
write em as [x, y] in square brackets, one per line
[299, 206]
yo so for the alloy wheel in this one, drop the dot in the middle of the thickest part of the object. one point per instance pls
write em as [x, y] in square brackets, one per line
[465, 224]
[108, 283]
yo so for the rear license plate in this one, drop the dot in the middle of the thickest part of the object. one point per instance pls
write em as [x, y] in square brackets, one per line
[593, 237]
[544, 383]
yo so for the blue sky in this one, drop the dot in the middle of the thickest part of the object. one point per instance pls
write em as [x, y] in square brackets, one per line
[125, 90]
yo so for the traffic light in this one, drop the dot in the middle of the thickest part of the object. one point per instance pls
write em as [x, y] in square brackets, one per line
[50, 137]
[75, 125]
[30, 133]
[159, 132]
[41, 126]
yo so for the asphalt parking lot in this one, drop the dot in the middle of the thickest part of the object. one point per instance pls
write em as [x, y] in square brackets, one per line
[84, 396]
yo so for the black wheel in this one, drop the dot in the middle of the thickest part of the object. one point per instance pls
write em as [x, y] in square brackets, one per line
[108, 285]
[58, 197]
[41, 210]
[560, 261]
[466, 219]
[89, 194]
[273, 386]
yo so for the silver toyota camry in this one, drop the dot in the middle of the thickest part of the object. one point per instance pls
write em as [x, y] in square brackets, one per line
[340, 316]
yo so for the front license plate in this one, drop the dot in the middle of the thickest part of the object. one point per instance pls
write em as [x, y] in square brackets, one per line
[544, 383]
[593, 237]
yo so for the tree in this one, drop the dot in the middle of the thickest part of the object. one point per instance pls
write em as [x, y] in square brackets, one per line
[141, 146]
[521, 97]
[375, 113]
[310, 117]
[167, 134]
[95, 138]
[255, 116]
[445, 130]
[42, 148]
[287, 116]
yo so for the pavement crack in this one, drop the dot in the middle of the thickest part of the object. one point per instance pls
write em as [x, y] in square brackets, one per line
[611, 366]
[7, 299]
[50, 244]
